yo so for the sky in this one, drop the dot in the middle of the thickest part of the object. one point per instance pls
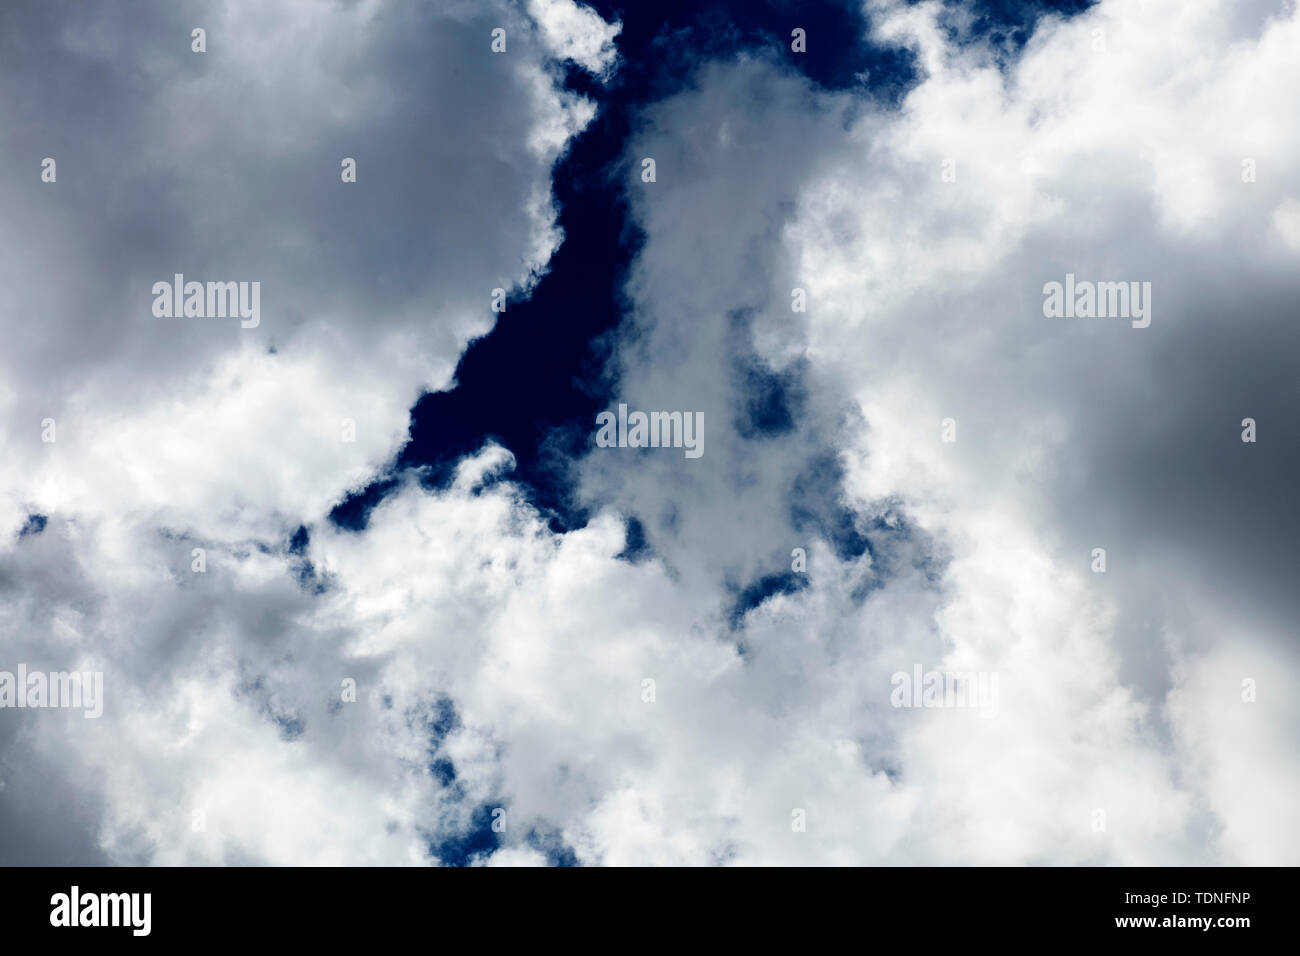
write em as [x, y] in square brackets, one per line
[365, 585]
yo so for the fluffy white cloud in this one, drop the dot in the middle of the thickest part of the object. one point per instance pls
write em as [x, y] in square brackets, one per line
[1116, 148]
[573, 31]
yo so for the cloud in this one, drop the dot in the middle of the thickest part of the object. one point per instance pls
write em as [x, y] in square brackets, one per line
[224, 166]
[575, 32]
[175, 434]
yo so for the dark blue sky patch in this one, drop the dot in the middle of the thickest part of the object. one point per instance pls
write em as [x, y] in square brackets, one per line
[303, 570]
[353, 512]
[439, 719]
[443, 770]
[754, 594]
[665, 41]
[635, 548]
[1008, 24]
[305, 574]
[771, 401]
[459, 849]
[35, 525]
[549, 842]
[816, 507]
[533, 383]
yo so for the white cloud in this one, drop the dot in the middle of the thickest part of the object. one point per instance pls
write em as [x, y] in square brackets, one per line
[573, 31]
